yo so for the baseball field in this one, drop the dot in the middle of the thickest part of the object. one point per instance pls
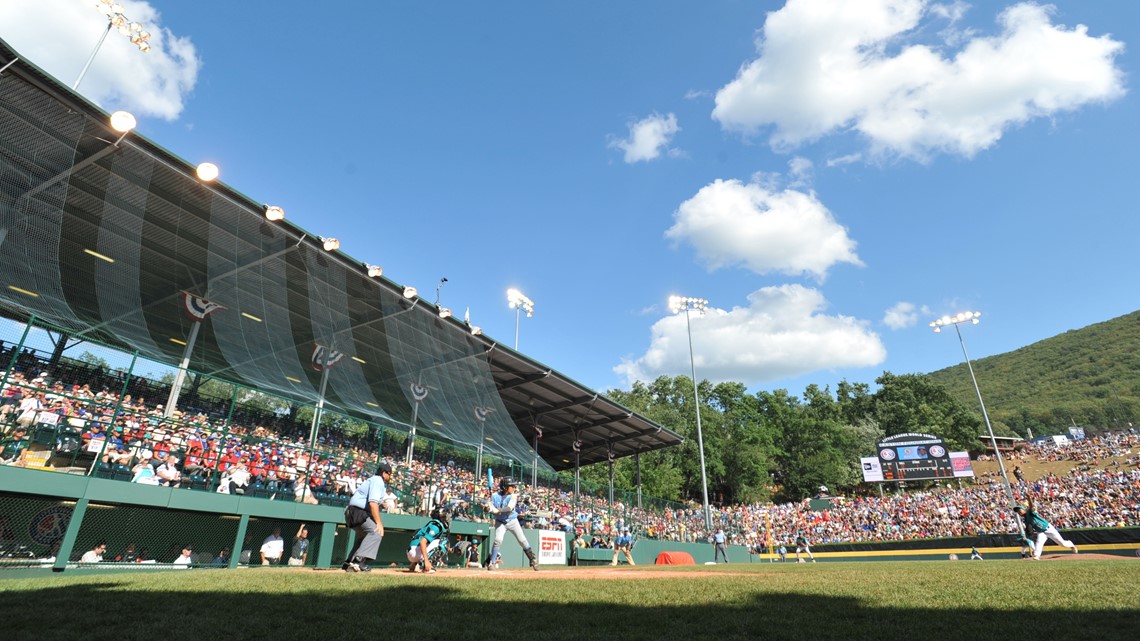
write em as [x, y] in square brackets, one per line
[1062, 597]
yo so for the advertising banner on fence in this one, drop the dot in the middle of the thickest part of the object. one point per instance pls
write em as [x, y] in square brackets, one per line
[552, 548]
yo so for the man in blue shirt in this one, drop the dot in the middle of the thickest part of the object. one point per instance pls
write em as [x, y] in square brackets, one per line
[501, 507]
[1036, 526]
[623, 543]
[426, 539]
[720, 549]
[363, 516]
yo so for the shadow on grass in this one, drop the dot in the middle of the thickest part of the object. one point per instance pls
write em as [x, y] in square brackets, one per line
[110, 610]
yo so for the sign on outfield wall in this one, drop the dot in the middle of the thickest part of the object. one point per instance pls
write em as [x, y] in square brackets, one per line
[914, 457]
[552, 548]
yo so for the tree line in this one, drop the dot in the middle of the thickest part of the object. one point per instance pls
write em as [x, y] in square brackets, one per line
[779, 446]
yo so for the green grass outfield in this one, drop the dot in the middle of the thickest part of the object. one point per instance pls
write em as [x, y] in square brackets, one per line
[888, 601]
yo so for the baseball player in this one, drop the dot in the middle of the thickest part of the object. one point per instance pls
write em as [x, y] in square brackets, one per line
[623, 543]
[1035, 524]
[426, 539]
[501, 506]
[803, 547]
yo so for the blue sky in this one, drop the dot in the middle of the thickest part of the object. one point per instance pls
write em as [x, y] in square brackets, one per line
[830, 176]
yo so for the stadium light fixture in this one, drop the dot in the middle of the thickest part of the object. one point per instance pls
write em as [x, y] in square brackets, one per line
[208, 172]
[956, 321]
[444, 312]
[375, 271]
[410, 292]
[273, 213]
[330, 244]
[698, 305]
[116, 20]
[518, 301]
[476, 330]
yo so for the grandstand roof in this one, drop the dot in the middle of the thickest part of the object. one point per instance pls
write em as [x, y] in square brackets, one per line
[100, 237]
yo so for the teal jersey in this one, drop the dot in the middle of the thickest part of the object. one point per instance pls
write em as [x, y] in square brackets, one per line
[1034, 522]
[429, 532]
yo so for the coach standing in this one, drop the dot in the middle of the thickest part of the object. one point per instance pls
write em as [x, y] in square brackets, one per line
[363, 516]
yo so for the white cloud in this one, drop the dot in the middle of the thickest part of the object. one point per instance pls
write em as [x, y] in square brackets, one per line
[844, 160]
[764, 230]
[59, 35]
[827, 67]
[901, 316]
[648, 137]
[781, 333]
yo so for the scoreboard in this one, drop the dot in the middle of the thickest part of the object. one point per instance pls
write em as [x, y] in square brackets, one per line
[914, 457]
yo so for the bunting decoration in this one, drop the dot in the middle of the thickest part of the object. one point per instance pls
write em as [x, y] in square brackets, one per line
[538, 432]
[198, 308]
[419, 392]
[577, 446]
[325, 358]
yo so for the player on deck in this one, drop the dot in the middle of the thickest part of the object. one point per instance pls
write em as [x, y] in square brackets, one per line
[1036, 526]
[501, 506]
[426, 539]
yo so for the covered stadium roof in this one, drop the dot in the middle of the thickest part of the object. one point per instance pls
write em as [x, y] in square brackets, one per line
[101, 233]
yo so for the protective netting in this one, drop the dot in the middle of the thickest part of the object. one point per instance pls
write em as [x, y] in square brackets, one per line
[101, 240]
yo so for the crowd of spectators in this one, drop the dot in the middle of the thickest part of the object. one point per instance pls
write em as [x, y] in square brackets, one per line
[131, 439]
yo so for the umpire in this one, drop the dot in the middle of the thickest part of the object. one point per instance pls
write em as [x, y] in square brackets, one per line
[363, 516]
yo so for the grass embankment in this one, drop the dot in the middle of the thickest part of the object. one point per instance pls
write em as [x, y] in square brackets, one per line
[883, 601]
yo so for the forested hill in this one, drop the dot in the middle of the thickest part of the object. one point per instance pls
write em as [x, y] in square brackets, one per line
[1088, 376]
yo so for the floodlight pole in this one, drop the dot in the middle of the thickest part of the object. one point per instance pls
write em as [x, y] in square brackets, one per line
[956, 321]
[180, 377]
[91, 58]
[678, 303]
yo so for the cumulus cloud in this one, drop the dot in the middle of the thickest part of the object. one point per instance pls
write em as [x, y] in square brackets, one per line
[781, 333]
[59, 35]
[730, 223]
[648, 138]
[901, 316]
[827, 67]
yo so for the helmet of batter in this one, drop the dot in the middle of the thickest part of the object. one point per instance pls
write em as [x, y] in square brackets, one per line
[441, 516]
[507, 482]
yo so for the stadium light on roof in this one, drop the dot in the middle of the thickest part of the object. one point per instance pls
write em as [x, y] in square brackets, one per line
[519, 302]
[687, 304]
[410, 292]
[115, 19]
[273, 213]
[330, 244]
[208, 171]
[972, 318]
[375, 271]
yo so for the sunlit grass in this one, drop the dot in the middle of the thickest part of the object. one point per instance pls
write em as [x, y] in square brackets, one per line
[970, 600]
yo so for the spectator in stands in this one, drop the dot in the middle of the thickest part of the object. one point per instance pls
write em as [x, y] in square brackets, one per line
[95, 554]
[223, 557]
[272, 548]
[144, 472]
[168, 473]
[14, 449]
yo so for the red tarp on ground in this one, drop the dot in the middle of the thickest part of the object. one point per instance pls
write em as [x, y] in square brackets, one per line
[675, 558]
